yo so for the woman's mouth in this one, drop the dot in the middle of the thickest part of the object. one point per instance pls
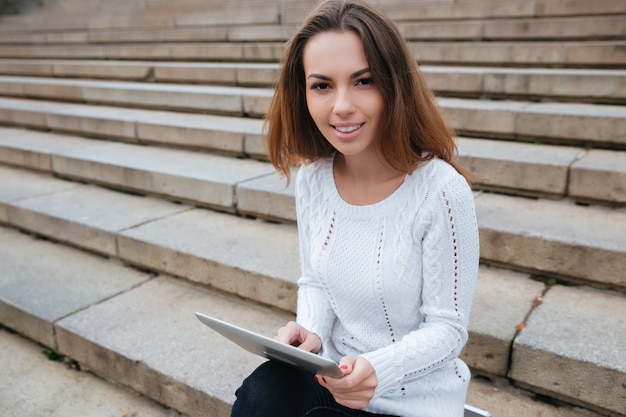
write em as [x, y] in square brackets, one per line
[348, 129]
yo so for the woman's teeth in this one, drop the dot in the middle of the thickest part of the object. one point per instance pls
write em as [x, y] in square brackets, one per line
[347, 129]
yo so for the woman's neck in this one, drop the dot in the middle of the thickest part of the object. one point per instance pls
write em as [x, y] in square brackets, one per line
[364, 181]
[367, 169]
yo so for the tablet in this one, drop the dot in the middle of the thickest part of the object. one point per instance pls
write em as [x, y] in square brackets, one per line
[273, 349]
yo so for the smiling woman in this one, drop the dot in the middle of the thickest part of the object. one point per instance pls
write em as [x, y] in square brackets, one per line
[386, 224]
[346, 106]
[341, 96]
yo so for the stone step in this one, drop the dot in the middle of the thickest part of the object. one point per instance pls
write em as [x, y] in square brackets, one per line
[515, 168]
[590, 125]
[556, 28]
[586, 176]
[518, 53]
[124, 15]
[569, 28]
[238, 252]
[295, 11]
[398, 10]
[570, 84]
[567, 123]
[546, 238]
[554, 238]
[603, 86]
[237, 101]
[120, 15]
[209, 132]
[33, 385]
[428, 10]
[242, 74]
[567, 54]
[560, 348]
[138, 329]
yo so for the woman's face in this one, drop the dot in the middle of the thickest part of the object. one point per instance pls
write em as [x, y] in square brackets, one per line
[341, 96]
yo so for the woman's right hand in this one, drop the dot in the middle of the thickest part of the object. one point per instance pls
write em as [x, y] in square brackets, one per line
[296, 335]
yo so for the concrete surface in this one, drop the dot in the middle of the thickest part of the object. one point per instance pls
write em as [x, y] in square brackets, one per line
[253, 259]
[268, 197]
[601, 124]
[205, 132]
[18, 184]
[520, 53]
[504, 400]
[32, 385]
[132, 125]
[600, 176]
[42, 282]
[151, 339]
[33, 150]
[88, 216]
[203, 178]
[539, 170]
[582, 326]
[546, 237]
[158, 15]
[604, 27]
[502, 301]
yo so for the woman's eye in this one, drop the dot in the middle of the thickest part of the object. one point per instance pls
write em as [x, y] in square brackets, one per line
[320, 86]
[366, 81]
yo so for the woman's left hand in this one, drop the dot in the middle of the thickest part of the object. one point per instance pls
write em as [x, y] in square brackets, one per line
[356, 388]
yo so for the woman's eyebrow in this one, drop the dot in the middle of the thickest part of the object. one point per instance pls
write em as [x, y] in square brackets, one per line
[320, 76]
[359, 73]
[326, 78]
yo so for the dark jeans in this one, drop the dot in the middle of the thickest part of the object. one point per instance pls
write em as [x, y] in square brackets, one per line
[275, 390]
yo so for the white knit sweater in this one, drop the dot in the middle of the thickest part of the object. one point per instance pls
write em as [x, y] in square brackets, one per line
[392, 282]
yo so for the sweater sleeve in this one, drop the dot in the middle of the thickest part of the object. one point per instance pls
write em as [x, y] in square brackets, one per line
[314, 311]
[450, 253]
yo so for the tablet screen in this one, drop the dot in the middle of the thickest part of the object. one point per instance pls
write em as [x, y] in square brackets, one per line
[272, 349]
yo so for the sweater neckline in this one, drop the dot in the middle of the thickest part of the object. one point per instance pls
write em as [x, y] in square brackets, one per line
[388, 203]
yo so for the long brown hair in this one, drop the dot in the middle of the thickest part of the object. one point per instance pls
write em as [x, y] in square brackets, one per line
[413, 126]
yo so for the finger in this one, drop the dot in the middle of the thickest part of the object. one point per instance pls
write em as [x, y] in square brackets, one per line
[282, 336]
[360, 380]
[290, 333]
[311, 343]
[342, 385]
[351, 378]
[347, 364]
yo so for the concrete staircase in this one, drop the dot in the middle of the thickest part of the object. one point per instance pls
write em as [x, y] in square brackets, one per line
[134, 190]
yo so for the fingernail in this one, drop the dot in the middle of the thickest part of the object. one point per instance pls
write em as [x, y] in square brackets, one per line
[315, 378]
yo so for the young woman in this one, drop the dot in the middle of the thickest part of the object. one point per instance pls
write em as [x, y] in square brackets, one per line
[387, 227]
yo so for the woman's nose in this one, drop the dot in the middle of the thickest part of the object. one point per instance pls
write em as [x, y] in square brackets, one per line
[343, 102]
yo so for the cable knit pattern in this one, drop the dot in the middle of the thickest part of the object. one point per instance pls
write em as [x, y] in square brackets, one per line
[392, 282]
